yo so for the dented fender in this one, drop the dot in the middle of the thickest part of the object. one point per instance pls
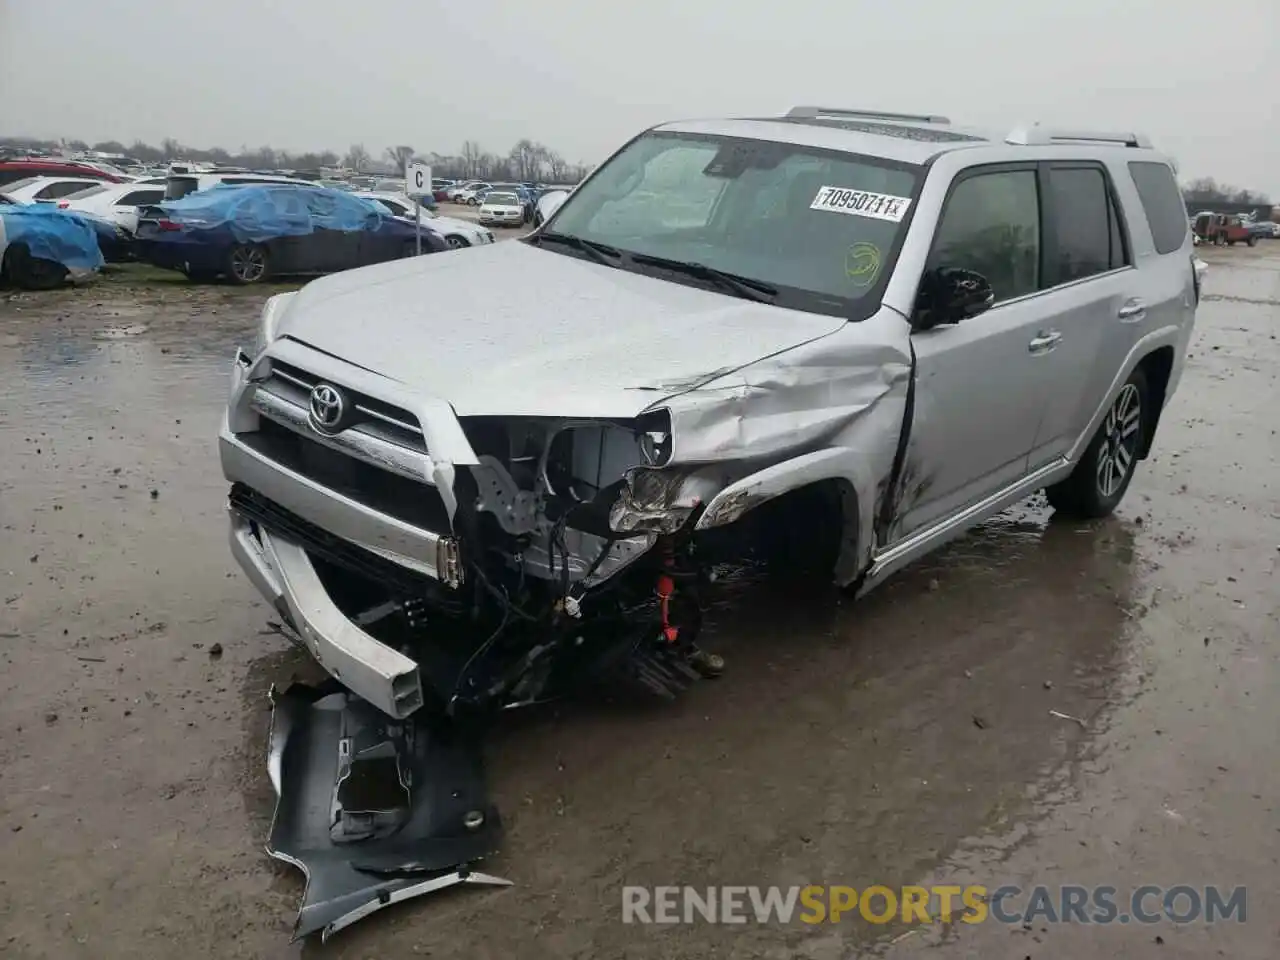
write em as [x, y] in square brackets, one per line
[830, 409]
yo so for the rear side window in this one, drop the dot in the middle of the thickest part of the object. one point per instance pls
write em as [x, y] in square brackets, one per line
[56, 190]
[1162, 202]
[138, 197]
[86, 193]
[1086, 236]
[178, 187]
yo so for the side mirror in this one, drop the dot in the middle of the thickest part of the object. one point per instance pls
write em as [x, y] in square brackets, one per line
[951, 294]
[548, 204]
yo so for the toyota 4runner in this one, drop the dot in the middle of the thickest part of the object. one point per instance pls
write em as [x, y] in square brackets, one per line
[854, 334]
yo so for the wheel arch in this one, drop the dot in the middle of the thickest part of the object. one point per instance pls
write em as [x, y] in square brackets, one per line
[839, 469]
[1157, 367]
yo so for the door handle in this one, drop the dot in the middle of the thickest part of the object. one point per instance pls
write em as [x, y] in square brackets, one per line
[1132, 310]
[1045, 342]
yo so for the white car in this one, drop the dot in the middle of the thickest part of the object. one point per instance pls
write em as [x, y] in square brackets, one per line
[470, 195]
[47, 189]
[456, 233]
[502, 208]
[117, 202]
[178, 185]
[461, 186]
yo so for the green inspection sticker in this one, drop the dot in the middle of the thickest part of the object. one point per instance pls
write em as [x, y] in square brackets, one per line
[862, 264]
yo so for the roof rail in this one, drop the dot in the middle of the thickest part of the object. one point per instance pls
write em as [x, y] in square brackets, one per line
[811, 113]
[1040, 136]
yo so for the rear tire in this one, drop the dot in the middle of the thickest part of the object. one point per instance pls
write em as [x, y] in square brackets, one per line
[1099, 481]
[248, 263]
[1252, 241]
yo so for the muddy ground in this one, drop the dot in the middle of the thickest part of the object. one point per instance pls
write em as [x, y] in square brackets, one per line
[907, 737]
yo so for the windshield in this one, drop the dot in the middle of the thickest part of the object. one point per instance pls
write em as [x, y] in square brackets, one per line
[501, 199]
[819, 225]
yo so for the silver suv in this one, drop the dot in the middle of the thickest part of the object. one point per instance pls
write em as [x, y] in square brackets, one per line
[837, 339]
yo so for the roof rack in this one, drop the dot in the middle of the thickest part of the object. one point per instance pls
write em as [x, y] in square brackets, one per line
[812, 113]
[1042, 136]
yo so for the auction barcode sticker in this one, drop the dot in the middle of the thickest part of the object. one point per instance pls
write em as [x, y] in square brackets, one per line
[860, 203]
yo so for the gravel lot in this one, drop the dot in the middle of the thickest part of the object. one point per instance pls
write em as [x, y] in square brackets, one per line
[904, 738]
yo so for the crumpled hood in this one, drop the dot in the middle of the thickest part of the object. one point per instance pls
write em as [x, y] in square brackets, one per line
[511, 329]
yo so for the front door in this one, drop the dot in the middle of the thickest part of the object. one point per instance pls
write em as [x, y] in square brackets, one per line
[978, 400]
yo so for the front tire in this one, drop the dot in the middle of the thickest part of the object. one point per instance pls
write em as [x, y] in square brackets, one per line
[247, 263]
[456, 243]
[1099, 481]
[32, 273]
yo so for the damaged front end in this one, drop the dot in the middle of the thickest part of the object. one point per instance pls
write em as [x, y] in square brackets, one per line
[443, 568]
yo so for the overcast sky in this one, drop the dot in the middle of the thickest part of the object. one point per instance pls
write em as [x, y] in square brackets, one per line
[1200, 76]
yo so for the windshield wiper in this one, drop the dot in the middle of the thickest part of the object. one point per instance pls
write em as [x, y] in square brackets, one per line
[602, 253]
[745, 287]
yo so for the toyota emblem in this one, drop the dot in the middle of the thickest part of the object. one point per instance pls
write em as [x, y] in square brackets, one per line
[328, 408]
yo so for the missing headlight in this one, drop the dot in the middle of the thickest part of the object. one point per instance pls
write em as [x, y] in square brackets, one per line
[654, 430]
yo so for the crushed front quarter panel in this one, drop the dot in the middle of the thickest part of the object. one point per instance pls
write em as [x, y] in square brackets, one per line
[830, 409]
[374, 811]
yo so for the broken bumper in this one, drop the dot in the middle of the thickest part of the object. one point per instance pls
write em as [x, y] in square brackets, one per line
[374, 811]
[283, 573]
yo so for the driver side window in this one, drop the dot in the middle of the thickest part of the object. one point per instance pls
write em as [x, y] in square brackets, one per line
[991, 225]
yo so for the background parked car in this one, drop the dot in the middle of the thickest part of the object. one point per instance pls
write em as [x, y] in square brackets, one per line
[45, 189]
[117, 202]
[471, 195]
[41, 246]
[456, 233]
[452, 192]
[249, 234]
[11, 170]
[502, 207]
[178, 185]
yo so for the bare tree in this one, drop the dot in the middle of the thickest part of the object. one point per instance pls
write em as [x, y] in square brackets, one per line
[471, 154]
[557, 167]
[357, 157]
[399, 156]
[171, 148]
[526, 159]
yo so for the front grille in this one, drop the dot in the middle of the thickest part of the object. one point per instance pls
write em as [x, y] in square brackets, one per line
[416, 503]
[373, 416]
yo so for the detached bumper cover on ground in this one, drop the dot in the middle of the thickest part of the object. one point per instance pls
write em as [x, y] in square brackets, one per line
[374, 811]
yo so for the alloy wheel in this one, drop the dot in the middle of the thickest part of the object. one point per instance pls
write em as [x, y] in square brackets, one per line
[248, 264]
[1120, 436]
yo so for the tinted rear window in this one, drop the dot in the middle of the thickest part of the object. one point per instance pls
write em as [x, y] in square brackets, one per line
[1162, 201]
[1087, 237]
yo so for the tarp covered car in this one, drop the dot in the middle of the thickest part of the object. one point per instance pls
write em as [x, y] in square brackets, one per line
[41, 246]
[251, 233]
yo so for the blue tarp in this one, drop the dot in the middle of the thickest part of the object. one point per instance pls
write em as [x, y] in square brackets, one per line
[260, 212]
[51, 234]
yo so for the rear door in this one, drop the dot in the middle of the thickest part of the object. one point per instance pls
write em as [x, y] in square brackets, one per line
[978, 399]
[1093, 302]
